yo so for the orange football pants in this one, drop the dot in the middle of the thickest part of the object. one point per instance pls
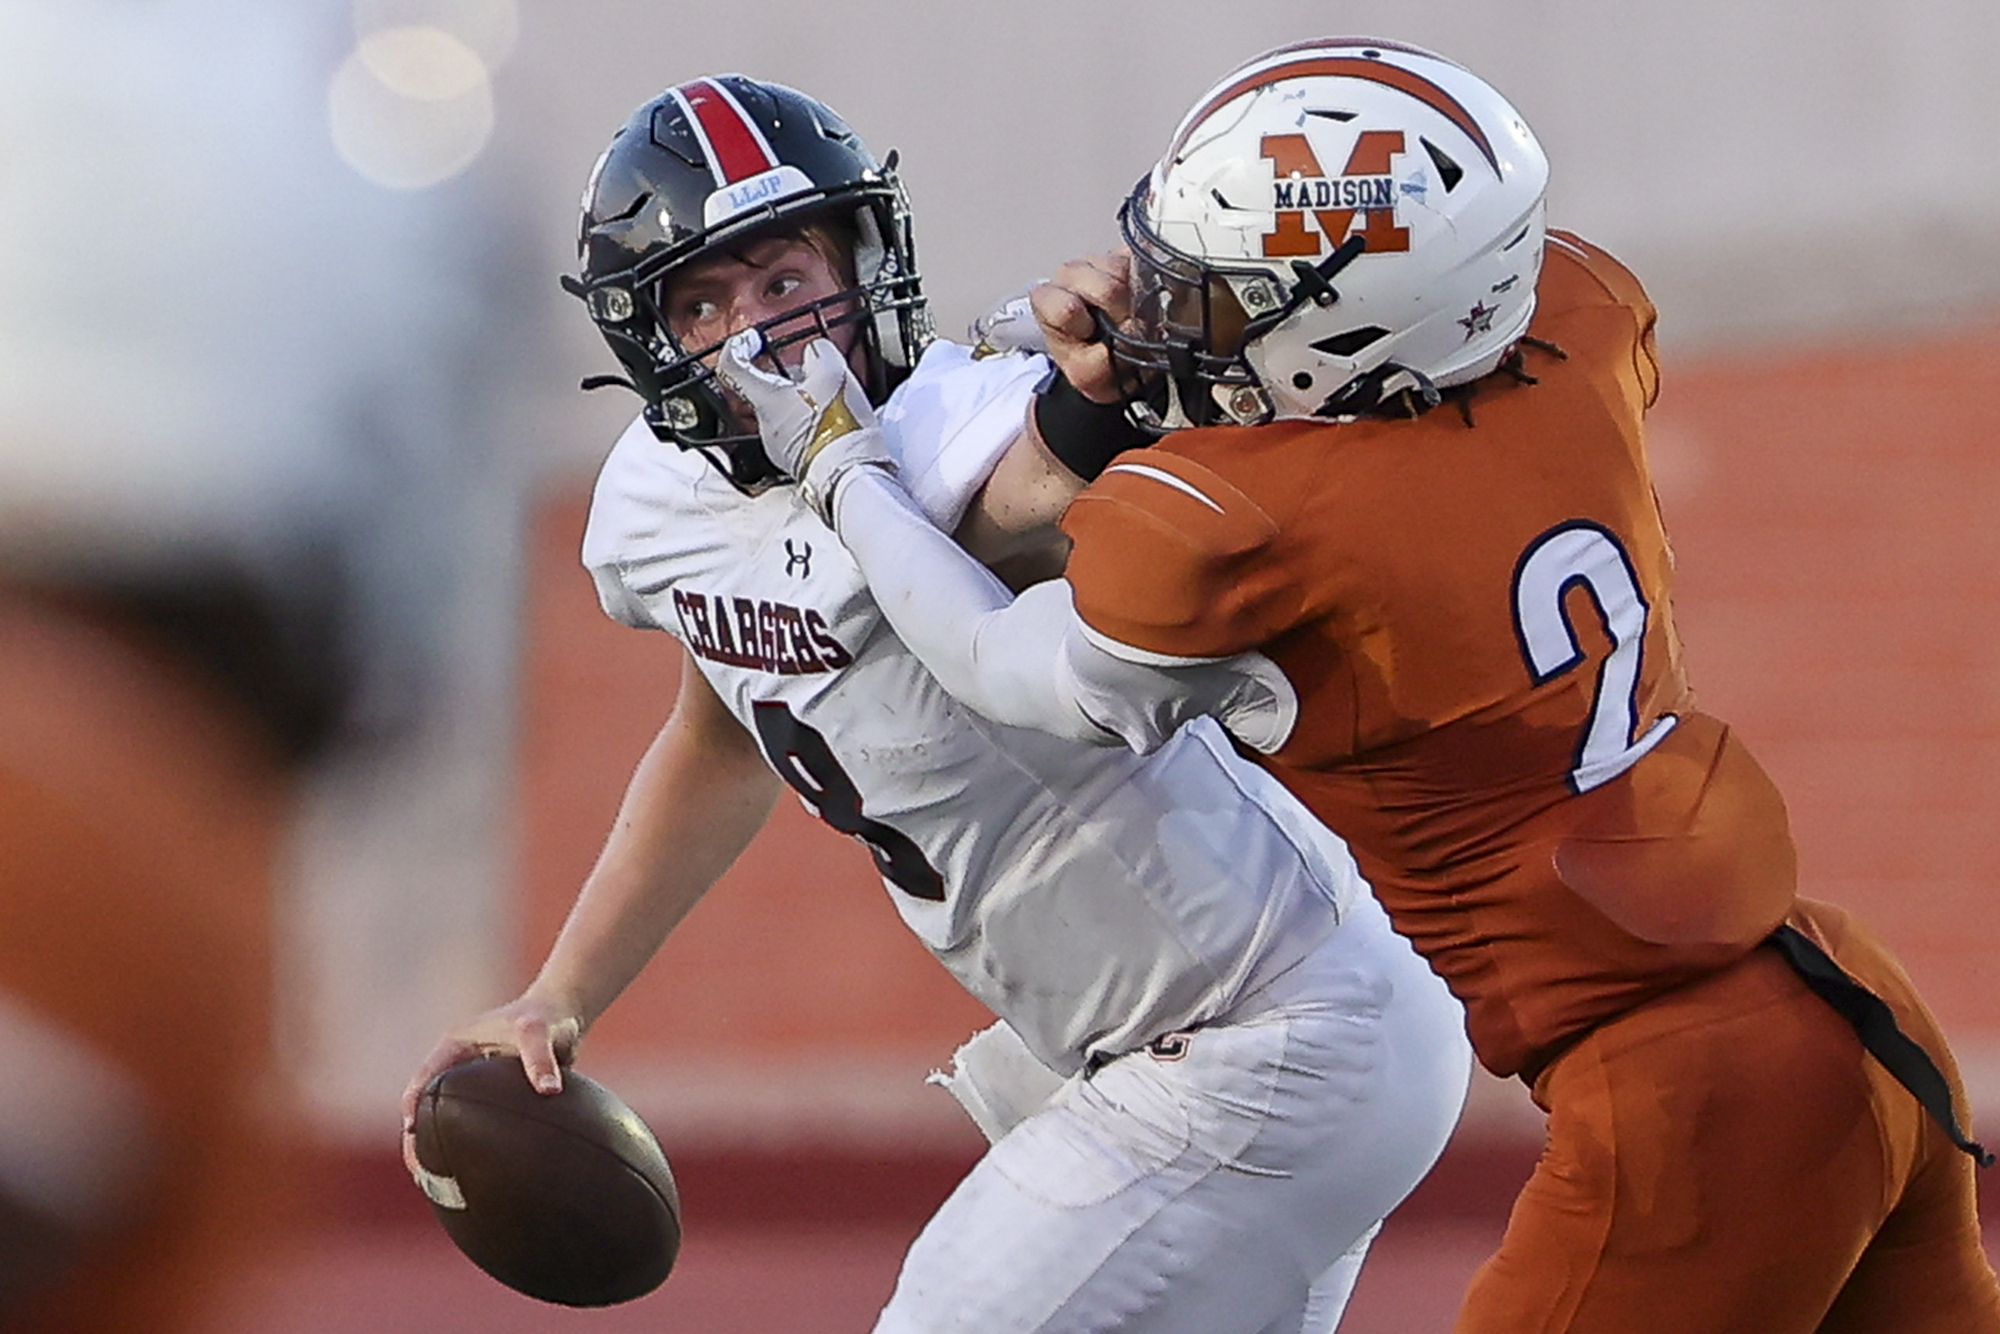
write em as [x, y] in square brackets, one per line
[1727, 1159]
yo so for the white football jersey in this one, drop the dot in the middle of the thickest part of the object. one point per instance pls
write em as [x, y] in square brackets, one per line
[1092, 898]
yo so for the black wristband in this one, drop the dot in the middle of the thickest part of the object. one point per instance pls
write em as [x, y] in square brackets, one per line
[1084, 434]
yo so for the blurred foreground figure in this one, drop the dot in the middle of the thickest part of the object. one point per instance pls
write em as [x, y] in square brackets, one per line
[142, 800]
[199, 438]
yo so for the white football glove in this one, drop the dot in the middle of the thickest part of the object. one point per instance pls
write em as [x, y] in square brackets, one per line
[1008, 327]
[816, 429]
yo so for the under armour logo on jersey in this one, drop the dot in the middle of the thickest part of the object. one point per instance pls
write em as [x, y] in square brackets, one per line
[798, 558]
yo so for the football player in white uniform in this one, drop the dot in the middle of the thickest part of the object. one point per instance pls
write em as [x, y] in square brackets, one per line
[1217, 1068]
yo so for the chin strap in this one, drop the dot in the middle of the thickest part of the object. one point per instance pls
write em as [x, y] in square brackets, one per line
[1389, 390]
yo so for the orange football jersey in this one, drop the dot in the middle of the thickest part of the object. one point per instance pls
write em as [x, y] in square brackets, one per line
[1475, 611]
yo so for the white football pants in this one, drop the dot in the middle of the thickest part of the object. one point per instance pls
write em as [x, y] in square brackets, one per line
[1225, 1181]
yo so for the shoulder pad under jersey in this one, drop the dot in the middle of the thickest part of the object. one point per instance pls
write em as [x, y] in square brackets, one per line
[1622, 286]
[1172, 558]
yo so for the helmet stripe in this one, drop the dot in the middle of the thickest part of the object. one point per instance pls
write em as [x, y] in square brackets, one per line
[730, 140]
[1350, 67]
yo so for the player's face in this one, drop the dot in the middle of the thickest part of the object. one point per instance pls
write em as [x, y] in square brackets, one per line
[762, 282]
[772, 282]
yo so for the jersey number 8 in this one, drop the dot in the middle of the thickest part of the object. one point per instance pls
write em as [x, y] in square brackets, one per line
[802, 758]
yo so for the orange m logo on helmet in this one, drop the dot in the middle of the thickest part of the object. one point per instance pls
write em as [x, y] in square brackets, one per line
[1364, 186]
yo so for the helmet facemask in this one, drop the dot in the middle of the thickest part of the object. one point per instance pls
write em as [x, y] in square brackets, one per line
[689, 406]
[1192, 330]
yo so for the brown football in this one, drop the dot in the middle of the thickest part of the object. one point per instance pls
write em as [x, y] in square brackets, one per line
[566, 1197]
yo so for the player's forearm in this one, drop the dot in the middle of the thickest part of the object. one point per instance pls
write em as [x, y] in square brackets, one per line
[688, 813]
[1010, 524]
[624, 913]
[1028, 661]
[996, 654]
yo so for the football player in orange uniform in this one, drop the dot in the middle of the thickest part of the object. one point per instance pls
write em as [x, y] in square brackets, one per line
[1401, 494]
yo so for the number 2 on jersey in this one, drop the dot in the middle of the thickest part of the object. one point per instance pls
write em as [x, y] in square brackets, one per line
[1557, 561]
[803, 759]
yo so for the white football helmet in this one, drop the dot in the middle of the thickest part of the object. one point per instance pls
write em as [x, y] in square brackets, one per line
[1335, 222]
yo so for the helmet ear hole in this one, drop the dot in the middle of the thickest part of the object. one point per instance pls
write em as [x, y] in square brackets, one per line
[1449, 172]
[1351, 342]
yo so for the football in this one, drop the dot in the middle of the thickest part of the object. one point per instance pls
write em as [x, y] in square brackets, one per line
[566, 1197]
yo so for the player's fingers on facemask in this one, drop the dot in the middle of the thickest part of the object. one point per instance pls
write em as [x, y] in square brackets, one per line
[743, 346]
[1093, 279]
[737, 366]
[824, 371]
[1116, 296]
[1062, 314]
[818, 362]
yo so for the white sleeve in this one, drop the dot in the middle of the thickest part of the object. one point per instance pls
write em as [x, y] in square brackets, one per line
[631, 500]
[950, 422]
[1030, 661]
[618, 601]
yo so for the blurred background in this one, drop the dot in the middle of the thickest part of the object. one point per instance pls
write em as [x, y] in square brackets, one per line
[284, 367]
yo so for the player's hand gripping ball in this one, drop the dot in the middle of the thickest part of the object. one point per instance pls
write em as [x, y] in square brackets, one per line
[565, 1197]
